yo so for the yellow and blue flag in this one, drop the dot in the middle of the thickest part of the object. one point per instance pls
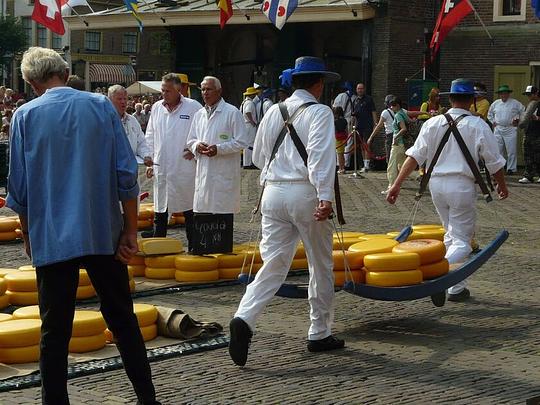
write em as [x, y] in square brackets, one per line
[133, 7]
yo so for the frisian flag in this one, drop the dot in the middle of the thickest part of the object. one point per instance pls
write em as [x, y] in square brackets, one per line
[452, 12]
[278, 11]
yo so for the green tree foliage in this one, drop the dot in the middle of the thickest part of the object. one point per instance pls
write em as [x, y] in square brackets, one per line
[12, 39]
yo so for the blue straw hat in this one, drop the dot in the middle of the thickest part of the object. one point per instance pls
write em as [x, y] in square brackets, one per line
[308, 65]
[461, 86]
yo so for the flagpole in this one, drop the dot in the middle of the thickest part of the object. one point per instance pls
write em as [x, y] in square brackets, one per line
[479, 19]
[78, 15]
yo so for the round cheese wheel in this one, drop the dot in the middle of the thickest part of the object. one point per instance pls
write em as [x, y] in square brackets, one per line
[20, 332]
[144, 224]
[130, 273]
[430, 250]
[22, 298]
[137, 270]
[434, 233]
[5, 317]
[84, 344]
[132, 285]
[88, 323]
[146, 214]
[177, 214]
[4, 271]
[21, 281]
[146, 314]
[3, 286]
[422, 227]
[377, 245]
[28, 312]
[192, 263]
[196, 276]
[84, 278]
[179, 220]
[159, 274]
[347, 235]
[229, 273]
[229, 260]
[85, 291]
[392, 261]
[374, 236]
[393, 234]
[341, 276]
[149, 332]
[27, 267]
[393, 278]
[345, 244]
[8, 225]
[7, 236]
[249, 252]
[137, 260]
[19, 355]
[355, 260]
[299, 264]
[4, 301]
[435, 270]
[160, 262]
[300, 252]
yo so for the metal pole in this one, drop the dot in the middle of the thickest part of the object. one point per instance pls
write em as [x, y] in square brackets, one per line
[355, 174]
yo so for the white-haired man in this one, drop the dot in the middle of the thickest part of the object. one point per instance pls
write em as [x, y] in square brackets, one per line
[118, 96]
[70, 165]
[166, 134]
[142, 119]
[217, 136]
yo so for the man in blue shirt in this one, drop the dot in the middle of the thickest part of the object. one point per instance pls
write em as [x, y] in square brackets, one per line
[71, 163]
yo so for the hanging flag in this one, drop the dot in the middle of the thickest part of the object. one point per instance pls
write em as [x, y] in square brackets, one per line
[536, 7]
[225, 11]
[66, 4]
[278, 11]
[452, 12]
[133, 7]
[47, 13]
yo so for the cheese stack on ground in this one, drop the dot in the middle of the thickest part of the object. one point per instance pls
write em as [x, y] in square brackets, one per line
[178, 218]
[354, 261]
[230, 265]
[136, 265]
[196, 269]
[371, 236]
[160, 267]
[345, 239]
[145, 219]
[4, 299]
[159, 256]
[431, 252]
[19, 341]
[85, 289]
[252, 254]
[392, 269]
[427, 231]
[146, 317]
[8, 228]
[5, 317]
[300, 260]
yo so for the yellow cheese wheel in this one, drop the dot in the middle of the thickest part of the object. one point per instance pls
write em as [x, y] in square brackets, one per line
[109, 336]
[22, 298]
[248, 251]
[149, 332]
[84, 278]
[393, 278]
[337, 245]
[191, 263]
[377, 245]
[27, 267]
[21, 281]
[4, 301]
[28, 312]
[88, 323]
[3, 286]
[137, 270]
[299, 264]
[196, 276]
[19, 355]
[20, 332]
[422, 227]
[229, 273]
[435, 270]
[160, 262]
[393, 234]
[160, 246]
[374, 236]
[4, 271]
[392, 261]
[355, 275]
[7, 236]
[137, 260]
[348, 235]
[130, 273]
[144, 224]
[300, 252]
[172, 221]
[146, 214]
[355, 260]
[229, 260]
[132, 285]
[178, 214]
[5, 317]
[159, 274]
[85, 291]
[84, 344]
[179, 220]
[435, 233]
[430, 250]
[8, 225]
[146, 314]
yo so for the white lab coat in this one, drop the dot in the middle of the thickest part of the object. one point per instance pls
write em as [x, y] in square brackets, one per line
[136, 137]
[248, 106]
[217, 183]
[174, 176]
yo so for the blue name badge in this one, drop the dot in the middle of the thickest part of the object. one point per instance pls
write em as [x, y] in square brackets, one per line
[184, 117]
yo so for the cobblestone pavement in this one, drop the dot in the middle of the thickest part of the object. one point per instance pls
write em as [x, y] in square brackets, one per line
[486, 351]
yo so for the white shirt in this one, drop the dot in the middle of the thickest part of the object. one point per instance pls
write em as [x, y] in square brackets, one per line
[388, 116]
[342, 100]
[135, 137]
[315, 127]
[501, 114]
[248, 106]
[477, 136]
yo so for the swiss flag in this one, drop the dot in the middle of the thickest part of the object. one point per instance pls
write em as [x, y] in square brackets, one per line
[452, 12]
[47, 13]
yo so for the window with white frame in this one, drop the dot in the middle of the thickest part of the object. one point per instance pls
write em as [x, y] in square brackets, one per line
[27, 26]
[92, 41]
[129, 42]
[56, 41]
[41, 36]
[509, 10]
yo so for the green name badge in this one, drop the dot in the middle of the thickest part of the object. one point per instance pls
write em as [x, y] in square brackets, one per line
[224, 137]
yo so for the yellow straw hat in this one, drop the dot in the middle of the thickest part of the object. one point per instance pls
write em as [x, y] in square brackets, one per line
[250, 91]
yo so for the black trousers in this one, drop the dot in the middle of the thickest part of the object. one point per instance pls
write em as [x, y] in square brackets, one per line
[160, 225]
[531, 155]
[57, 287]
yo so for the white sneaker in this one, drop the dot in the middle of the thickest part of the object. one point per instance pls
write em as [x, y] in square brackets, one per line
[384, 192]
[363, 170]
[538, 181]
[524, 180]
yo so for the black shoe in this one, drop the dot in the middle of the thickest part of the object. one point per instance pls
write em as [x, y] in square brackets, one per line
[510, 172]
[326, 344]
[240, 340]
[147, 234]
[460, 297]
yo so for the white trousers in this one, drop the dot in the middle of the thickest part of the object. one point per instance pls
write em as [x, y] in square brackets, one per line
[248, 153]
[454, 198]
[287, 216]
[507, 141]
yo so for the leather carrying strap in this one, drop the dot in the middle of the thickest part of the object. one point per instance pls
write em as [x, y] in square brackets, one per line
[452, 129]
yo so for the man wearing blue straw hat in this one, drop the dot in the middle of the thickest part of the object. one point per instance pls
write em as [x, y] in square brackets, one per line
[452, 182]
[298, 170]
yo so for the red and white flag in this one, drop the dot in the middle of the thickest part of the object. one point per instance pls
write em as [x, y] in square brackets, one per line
[66, 4]
[452, 12]
[47, 13]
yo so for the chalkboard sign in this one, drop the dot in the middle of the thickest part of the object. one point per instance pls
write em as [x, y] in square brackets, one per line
[212, 233]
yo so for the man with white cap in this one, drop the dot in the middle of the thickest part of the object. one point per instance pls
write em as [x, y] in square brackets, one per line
[531, 144]
[505, 114]
[249, 112]
[298, 171]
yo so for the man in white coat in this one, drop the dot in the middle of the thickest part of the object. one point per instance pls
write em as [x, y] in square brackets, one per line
[296, 204]
[250, 119]
[505, 114]
[217, 136]
[174, 167]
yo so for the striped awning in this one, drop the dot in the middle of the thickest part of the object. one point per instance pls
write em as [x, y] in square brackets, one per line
[112, 74]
